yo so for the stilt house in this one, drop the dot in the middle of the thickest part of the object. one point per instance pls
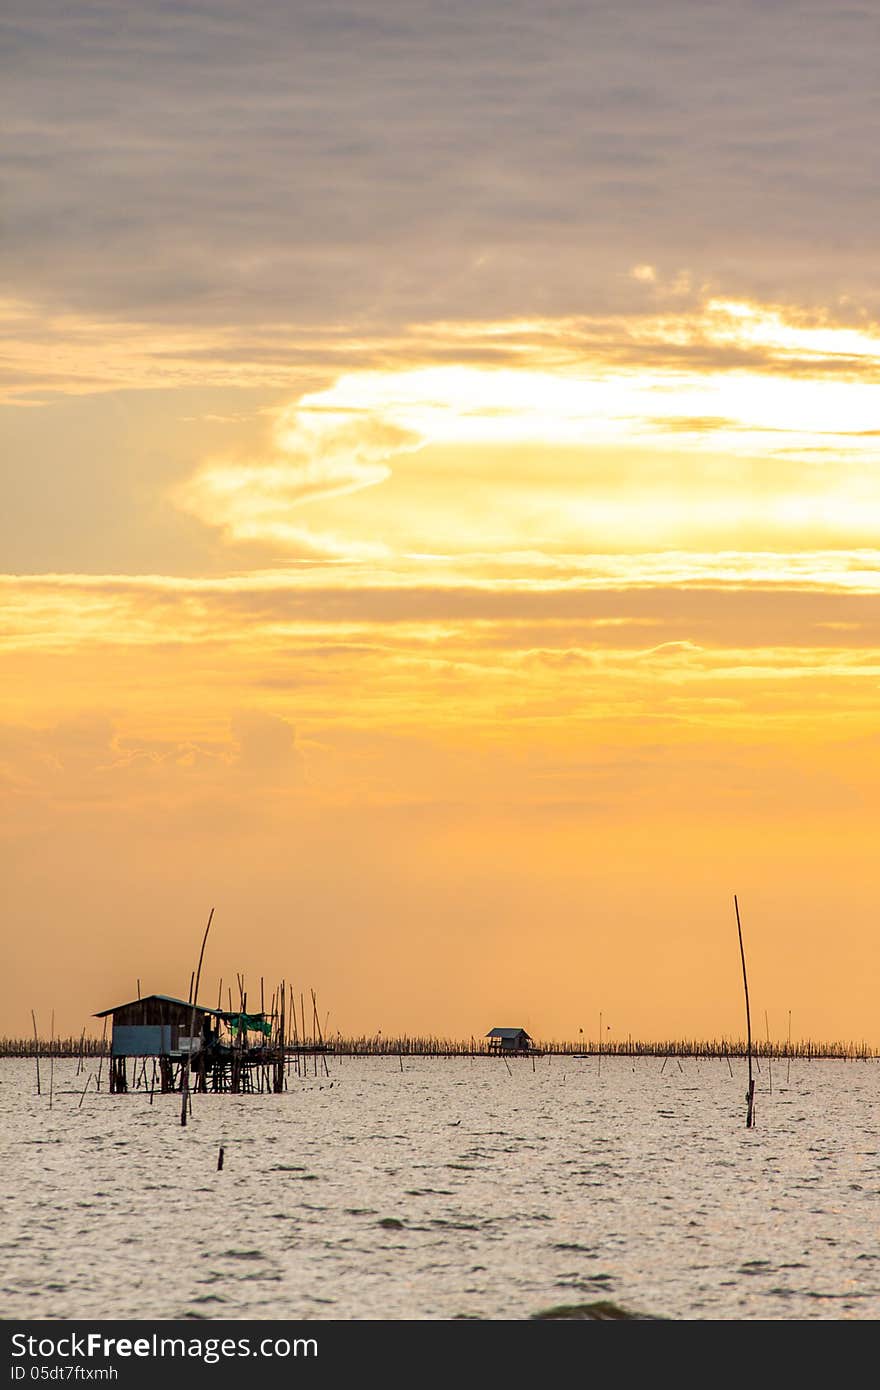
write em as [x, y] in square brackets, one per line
[157, 1026]
[509, 1040]
[211, 1047]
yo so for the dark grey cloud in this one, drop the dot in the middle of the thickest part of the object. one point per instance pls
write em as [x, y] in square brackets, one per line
[386, 160]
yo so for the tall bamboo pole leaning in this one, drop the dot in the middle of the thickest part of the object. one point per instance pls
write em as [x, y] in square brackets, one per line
[184, 1085]
[278, 1079]
[750, 1094]
[293, 1030]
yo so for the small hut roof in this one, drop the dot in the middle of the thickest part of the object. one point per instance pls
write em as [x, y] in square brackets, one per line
[507, 1033]
[165, 998]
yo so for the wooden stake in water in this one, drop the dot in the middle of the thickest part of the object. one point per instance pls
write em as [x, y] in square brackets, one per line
[184, 1084]
[769, 1052]
[51, 1057]
[320, 1038]
[292, 1031]
[750, 1094]
[36, 1050]
[101, 1058]
[788, 1068]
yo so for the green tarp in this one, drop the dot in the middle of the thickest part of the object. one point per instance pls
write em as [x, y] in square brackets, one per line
[252, 1023]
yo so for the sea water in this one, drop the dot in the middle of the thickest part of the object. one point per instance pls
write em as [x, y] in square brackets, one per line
[444, 1188]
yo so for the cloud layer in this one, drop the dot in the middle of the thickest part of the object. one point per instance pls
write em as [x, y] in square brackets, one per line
[395, 159]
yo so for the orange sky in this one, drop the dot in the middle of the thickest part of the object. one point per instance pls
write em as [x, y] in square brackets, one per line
[465, 650]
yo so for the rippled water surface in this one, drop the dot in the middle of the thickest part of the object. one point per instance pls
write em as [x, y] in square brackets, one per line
[452, 1187]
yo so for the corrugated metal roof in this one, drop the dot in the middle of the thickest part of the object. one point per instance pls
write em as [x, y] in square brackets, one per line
[165, 998]
[506, 1033]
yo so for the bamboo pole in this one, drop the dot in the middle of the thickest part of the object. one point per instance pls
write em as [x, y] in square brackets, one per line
[317, 1025]
[278, 1079]
[284, 1032]
[51, 1057]
[184, 1085]
[101, 1058]
[788, 1068]
[36, 1050]
[293, 1030]
[750, 1094]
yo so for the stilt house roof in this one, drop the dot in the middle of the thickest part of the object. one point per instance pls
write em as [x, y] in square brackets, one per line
[163, 998]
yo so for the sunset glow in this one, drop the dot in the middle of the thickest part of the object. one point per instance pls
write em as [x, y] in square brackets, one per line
[464, 585]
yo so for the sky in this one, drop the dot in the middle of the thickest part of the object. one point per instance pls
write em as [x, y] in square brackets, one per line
[440, 512]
